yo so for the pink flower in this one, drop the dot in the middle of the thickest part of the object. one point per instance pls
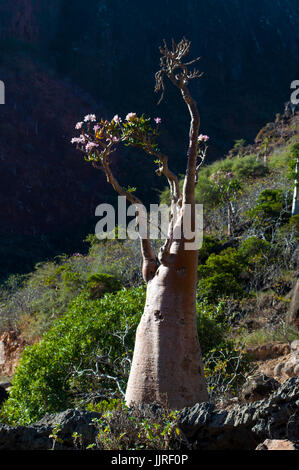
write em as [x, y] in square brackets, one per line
[90, 117]
[90, 146]
[78, 140]
[79, 125]
[203, 138]
[158, 120]
[131, 116]
[229, 174]
[96, 127]
[117, 119]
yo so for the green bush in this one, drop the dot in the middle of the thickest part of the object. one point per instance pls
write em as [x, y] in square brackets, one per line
[219, 285]
[252, 247]
[228, 272]
[220, 275]
[210, 245]
[211, 326]
[44, 382]
[270, 208]
[99, 284]
[248, 167]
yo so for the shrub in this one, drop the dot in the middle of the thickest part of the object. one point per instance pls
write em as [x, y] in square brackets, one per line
[225, 369]
[132, 429]
[44, 380]
[218, 285]
[211, 326]
[99, 284]
[271, 207]
[252, 247]
[209, 245]
[249, 167]
[220, 275]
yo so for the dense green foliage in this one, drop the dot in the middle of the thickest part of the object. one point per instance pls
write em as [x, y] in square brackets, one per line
[44, 381]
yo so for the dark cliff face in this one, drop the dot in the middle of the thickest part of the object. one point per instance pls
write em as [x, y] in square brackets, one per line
[62, 59]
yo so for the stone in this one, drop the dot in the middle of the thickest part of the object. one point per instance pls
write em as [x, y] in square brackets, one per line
[278, 444]
[289, 369]
[244, 427]
[278, 369]
[36, 436]
[258, 386]
[268, 351]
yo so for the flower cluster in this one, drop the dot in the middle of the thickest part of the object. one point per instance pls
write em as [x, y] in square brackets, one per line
[221, 175]
[203, 138]
[95, 139]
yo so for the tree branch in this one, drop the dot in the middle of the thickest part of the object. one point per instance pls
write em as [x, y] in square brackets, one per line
[172, 66]
[149, 258]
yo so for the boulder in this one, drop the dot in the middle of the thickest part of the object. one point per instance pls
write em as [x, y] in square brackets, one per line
[278, 444]
[258, 386]
[245, 426]
[267, 351]
[36, 436]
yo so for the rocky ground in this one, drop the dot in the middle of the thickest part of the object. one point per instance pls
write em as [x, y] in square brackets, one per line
[268, 424]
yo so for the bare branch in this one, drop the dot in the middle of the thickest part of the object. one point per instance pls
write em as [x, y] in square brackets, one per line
[178, 73]
[170, 61]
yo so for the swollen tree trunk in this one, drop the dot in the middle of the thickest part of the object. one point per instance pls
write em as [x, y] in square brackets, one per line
[167, 365]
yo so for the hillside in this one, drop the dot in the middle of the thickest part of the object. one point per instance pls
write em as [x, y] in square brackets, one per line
[80, 312]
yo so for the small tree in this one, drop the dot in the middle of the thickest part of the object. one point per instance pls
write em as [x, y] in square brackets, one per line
[229, 187]
[167, 364]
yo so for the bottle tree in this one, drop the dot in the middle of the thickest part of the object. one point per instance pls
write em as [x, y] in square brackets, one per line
[167, 364]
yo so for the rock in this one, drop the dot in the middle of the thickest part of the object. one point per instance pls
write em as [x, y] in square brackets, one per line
[258, 386]
[36, 436]
[278, 369]
[11, 347]
[245, 426]
[3, 394]
[5, 385]
[268, 351]
[289, 369]
[293, 314]
[278, 444]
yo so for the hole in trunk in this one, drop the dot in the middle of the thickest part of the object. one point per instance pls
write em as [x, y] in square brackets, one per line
[158, 315]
